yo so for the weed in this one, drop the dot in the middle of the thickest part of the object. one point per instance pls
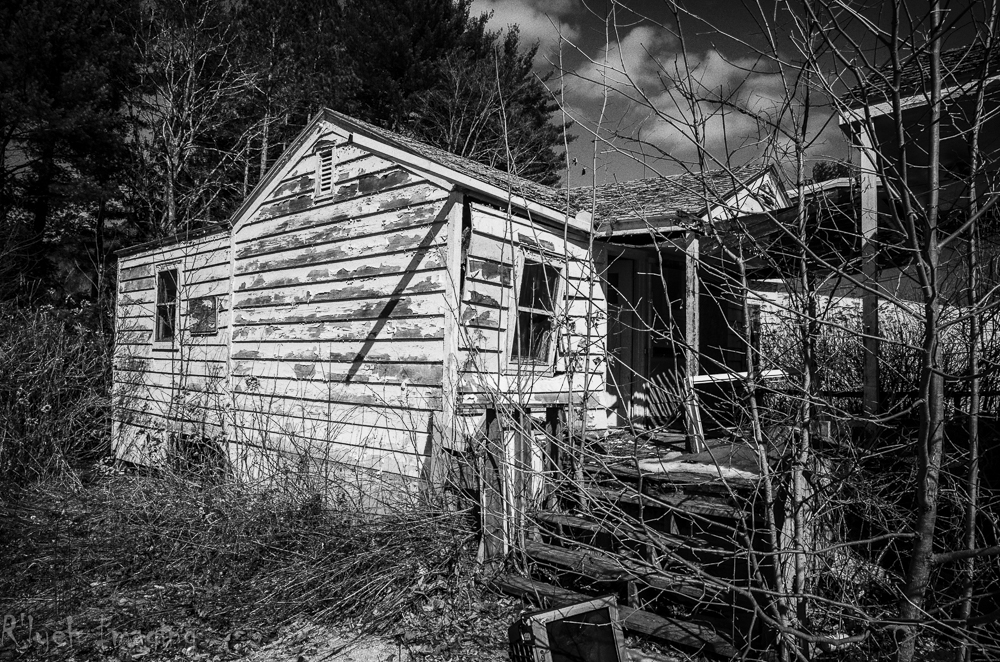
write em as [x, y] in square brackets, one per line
[133, 553]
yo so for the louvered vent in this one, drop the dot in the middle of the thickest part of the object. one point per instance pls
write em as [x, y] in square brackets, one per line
[324, 173]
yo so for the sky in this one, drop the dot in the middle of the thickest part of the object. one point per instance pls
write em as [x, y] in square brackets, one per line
[619, 82]
[618, 77]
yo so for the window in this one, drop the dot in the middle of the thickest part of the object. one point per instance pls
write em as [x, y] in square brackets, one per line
[166, 305]
[534, 322]
[324, 172]
[203, 316]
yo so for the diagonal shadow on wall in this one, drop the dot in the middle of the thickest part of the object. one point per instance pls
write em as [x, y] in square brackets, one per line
[440, 222]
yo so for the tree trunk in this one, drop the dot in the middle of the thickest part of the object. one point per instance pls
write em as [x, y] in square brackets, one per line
[264, 144]
[930, 438]
[964, 654]
[41, 204]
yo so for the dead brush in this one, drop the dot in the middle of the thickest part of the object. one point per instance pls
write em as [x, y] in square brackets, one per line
[233, 555]
[54, 384]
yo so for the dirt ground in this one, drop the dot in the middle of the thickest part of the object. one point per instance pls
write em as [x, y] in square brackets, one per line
[117, 568]
[74, 586]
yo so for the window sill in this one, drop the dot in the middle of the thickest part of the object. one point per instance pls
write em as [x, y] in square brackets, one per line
[159, 346]
[538, 368]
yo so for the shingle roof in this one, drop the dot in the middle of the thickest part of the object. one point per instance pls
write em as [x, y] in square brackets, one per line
[958, 65]
[545, 195]
[617, 203]
[621, 204]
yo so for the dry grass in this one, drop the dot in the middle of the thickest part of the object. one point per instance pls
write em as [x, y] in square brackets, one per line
[230, 568]
[54, 382]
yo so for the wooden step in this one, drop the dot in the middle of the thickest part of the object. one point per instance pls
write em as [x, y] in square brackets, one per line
[568, 526]
[693, 636]
[675, 501]
[601, 567]
[689, 481]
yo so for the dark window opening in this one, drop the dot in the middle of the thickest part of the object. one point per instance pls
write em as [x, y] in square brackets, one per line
[166, 305]
[534, 324]
[755, 333]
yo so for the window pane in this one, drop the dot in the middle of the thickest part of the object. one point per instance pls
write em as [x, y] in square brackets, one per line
[166, 286]
[203, 315]
[533, 336]
[538, 286]
[166, 304]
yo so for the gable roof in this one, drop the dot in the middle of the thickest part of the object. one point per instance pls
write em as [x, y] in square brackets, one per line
[438, 165]
[959, 66]
[636, 200]
[622, 205]
[546, 195]
[619, 205]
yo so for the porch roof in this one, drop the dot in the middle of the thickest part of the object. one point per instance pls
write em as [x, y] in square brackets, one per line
[640, 205]
[959, 66]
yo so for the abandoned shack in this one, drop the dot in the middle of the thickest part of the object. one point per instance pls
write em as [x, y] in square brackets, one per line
[376, 300]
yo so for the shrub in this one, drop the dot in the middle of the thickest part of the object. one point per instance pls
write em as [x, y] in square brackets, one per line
[54, 384]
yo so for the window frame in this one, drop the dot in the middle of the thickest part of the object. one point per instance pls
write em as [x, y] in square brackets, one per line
[518, 363]
[159, 342]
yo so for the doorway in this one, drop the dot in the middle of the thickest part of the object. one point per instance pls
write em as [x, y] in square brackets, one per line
[626, 357]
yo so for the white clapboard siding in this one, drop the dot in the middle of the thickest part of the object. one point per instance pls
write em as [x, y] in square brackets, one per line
[338, 312]
[178, 386]
[487, 376]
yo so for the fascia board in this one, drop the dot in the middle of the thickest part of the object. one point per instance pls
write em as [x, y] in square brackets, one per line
[256, 197]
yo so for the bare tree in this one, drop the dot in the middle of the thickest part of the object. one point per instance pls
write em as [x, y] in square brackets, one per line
[868, 491]
[190, 86]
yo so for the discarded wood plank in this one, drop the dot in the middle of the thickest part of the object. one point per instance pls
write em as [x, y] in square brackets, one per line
[679, 501]
[621, 531]
[699, 481]
[600, 567]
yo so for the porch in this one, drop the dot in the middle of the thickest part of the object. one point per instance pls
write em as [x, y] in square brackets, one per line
[677, 328]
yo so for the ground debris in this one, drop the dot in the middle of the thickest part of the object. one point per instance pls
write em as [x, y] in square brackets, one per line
[125, 568]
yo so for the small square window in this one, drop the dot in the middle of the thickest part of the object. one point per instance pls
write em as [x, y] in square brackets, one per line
[203, 316]
[535, 320]
[166, 305]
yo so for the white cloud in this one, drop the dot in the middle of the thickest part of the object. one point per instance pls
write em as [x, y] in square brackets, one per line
[626, 66]
[539, 21]
[651, 86]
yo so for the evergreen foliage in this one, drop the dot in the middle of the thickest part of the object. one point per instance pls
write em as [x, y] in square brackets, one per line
[126, 120]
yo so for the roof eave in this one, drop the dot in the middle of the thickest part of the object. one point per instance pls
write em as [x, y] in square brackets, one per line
[853, 114]
[171, 240]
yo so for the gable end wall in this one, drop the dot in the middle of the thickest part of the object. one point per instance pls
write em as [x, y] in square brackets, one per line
[338, 305]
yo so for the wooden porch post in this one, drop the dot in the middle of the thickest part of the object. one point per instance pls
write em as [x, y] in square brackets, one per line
[870, 272]
[692, 319]
[493, 495]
